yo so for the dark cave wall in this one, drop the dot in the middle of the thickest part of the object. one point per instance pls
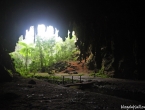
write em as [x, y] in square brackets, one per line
[112, 31]
[17, 16]
[123, 43]
[118, 35]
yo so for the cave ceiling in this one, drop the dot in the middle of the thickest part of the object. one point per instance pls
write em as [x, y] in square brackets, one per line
[95, 23]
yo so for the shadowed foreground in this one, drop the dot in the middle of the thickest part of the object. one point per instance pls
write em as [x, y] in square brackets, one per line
[20, 95]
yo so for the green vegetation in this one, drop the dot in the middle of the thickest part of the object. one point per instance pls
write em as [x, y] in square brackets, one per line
[38, 56]
[9, 71]
[100, 74]
[80, 74]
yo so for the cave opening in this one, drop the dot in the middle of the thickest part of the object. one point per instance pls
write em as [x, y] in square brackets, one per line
[104, 54]
[39, 49]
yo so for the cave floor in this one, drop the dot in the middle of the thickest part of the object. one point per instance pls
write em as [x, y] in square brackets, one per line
[20, 95]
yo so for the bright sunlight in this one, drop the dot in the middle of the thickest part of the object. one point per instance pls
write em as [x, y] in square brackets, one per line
[48, 48]
[45, 32]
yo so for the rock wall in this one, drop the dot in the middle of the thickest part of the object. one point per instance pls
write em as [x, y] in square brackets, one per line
[114, 29]
[115, 33]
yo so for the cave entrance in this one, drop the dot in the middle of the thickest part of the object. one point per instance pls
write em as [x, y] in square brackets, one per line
[44, 32]
[39, 49]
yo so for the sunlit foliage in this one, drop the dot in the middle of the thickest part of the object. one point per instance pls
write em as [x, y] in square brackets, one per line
[47, 50]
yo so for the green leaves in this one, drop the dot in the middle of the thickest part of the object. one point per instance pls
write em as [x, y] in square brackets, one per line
[26, 49]
[35, 57]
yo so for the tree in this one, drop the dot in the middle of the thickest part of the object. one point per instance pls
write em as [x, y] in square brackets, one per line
[42, 54]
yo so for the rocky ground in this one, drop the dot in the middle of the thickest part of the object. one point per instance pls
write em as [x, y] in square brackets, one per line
[93, 94]
[34, 94]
